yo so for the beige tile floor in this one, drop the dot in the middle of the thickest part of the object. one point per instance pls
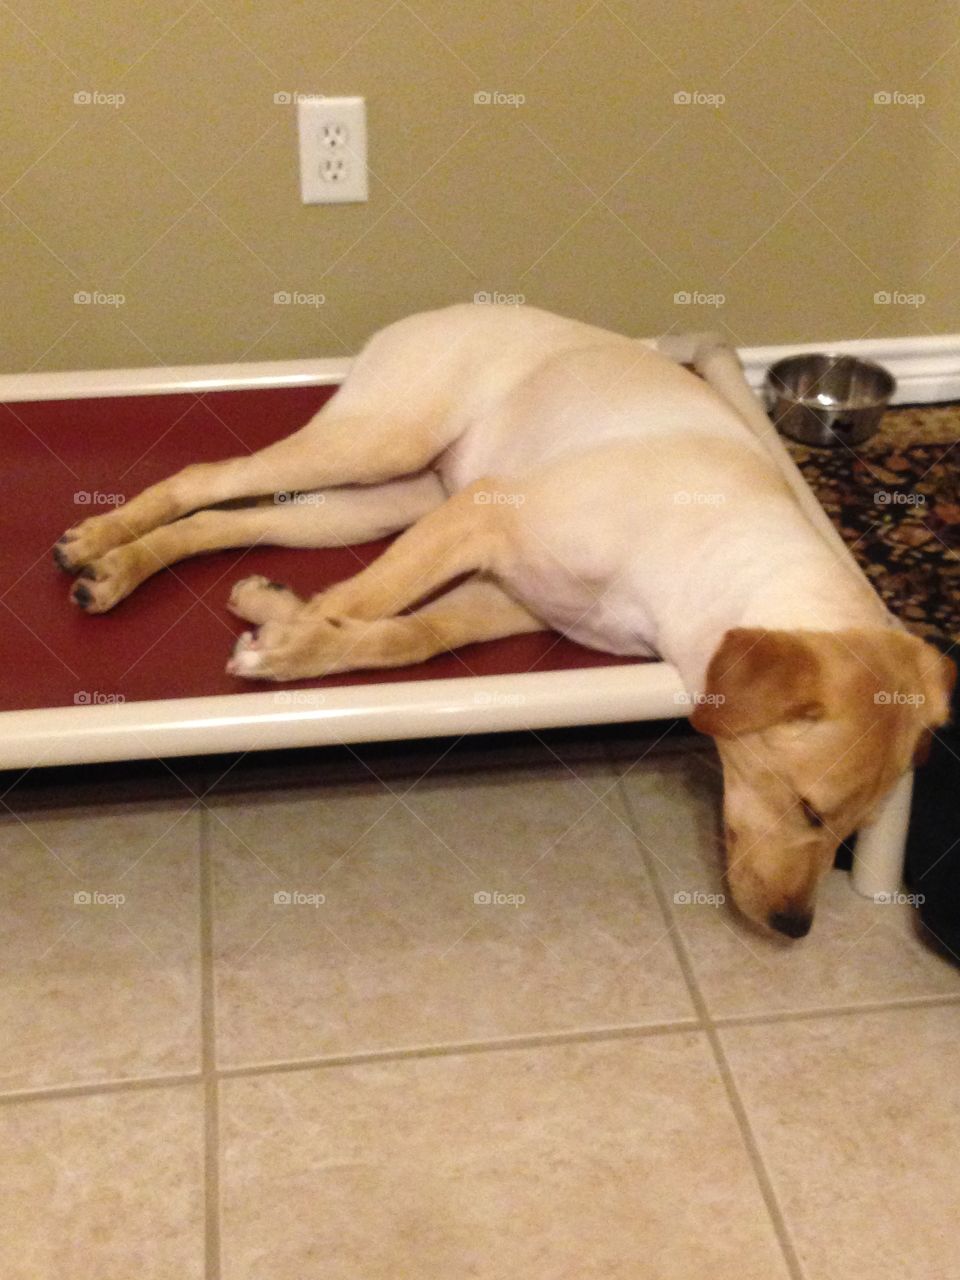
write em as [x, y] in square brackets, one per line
[271, 1032]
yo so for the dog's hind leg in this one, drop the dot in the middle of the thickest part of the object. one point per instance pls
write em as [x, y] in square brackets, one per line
[335, 517]
[335, 448]
[476, 610]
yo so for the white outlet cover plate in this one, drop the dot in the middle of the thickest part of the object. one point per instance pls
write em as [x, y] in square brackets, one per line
[333, 150]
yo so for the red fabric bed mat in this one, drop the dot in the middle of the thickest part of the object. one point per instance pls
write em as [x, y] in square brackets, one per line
[63, 460]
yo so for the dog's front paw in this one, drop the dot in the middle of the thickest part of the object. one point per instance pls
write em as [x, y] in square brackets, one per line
[104, 582]
[259, 600]
[89, 540]
[246, 658]
[292, 650]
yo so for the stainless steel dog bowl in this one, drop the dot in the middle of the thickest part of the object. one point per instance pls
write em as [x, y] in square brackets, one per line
[827, 399]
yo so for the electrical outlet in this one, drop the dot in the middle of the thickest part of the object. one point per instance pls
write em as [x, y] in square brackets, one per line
[333, 150]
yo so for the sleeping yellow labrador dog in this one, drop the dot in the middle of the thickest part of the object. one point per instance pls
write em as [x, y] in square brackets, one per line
[588, 484]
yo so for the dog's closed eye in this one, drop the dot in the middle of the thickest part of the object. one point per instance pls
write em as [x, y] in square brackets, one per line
[809, 812]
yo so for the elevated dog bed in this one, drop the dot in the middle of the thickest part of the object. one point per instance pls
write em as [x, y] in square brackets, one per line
[147, 679]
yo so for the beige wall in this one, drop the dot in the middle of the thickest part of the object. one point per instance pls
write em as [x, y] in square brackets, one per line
[797, 199]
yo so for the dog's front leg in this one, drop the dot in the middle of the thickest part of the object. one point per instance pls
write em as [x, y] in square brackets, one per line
[298, 648]
[464, 535]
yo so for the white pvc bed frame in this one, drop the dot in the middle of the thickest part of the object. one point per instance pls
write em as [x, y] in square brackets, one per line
[411, 709]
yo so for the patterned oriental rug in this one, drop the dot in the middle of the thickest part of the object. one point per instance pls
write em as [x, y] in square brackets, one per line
[896, 501]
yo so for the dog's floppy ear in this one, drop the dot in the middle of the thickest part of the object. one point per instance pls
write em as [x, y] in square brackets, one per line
[939, 675]
[757, 679]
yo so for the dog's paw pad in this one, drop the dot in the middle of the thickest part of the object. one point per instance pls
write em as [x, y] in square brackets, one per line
[245, 659]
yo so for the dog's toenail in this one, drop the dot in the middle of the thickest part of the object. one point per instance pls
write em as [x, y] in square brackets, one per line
[276, 586]
[83, 596]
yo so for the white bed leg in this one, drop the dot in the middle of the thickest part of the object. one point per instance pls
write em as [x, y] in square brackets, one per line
[881, 846]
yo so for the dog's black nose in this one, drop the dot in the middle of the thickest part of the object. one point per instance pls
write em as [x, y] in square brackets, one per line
[794, 926]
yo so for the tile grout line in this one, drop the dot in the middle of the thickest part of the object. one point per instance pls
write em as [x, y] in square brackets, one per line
[459, 1048]
[546, 1039]
[208, 1050]
[935, 1001]
[762, 1174]
[209, 1070]
[136, 1084]
[734, 1100]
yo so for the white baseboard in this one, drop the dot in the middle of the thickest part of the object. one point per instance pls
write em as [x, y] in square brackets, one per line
[927, 370]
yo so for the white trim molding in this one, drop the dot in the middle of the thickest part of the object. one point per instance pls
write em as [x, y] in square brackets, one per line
[91, 384]
[927, 370]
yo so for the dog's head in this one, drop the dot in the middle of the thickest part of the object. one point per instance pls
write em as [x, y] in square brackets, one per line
[813, 729]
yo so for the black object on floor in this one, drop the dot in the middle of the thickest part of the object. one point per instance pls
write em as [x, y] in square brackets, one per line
[933, 843]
